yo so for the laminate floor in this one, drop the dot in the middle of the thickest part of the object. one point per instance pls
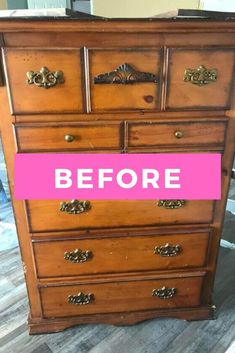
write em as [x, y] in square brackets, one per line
[153, 336]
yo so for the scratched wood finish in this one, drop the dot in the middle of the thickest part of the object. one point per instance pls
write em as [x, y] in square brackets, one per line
[121, 254]
[140, 96]
[86, 137]
[185, 95]
[142, 134]
[121, 296]
[83, 50]
[108, 214]
[212, 336]
[64, 97]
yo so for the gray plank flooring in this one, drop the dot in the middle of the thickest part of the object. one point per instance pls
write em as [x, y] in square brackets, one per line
[152, 336]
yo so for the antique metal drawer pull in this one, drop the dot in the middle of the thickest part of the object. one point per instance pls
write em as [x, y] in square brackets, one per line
[178, 134]
[45, 78]
[78, 255]
[81, 299]
[200, 76]
[168, 250]
[171, 204]
[125, 74]
[164, 292]
[69, 138]
[75, 206]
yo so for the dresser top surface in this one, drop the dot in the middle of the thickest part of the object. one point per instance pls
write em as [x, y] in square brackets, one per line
[99, 24]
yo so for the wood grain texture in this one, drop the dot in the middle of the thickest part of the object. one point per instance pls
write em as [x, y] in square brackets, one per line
[86, 137]
[103, 46]
[120, 254]
[108, 214]
[66, 96]
[185, 95]
[112, 97]
[144, 134]
[172, 335]
[121, 296]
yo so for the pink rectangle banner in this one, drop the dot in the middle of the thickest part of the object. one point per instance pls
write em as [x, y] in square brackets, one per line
[192, 176]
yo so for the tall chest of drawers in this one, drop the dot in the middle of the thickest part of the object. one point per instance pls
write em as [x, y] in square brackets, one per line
[117, 86]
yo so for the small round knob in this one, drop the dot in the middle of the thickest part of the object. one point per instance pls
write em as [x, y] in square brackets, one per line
[69, 138]
[178, 134]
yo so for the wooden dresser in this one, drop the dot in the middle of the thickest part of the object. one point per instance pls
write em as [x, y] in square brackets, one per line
[118, 86]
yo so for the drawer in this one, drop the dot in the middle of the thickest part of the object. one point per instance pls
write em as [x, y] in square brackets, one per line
[95, 298]
[53, 82]
[176, 134]
[120, 254]
[108, 214]
[200, 78]
[69, 136]
[125, 79]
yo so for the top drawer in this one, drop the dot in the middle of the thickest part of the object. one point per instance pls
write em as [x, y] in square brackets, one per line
[200, 78]
[125, 79]
[44, 80]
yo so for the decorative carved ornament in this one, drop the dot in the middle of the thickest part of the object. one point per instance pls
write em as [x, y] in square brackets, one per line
[125, 74]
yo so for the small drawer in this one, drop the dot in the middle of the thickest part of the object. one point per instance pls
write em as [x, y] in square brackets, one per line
[176, 134]
[125, 79]
[44, 80]
[121, 296]
[200, 78]
[77, 214]
[120, 254]
[69, 136]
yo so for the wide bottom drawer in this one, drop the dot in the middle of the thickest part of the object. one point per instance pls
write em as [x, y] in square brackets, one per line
[122, 296]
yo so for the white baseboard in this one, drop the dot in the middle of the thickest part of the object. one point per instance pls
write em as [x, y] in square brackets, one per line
[231, 349]
[228, 245]
[231, 206]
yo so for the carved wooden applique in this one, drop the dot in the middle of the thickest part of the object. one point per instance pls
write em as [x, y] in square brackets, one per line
[125, 74]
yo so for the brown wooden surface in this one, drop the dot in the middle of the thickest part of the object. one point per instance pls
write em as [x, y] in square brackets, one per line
[120, 96]
[121, 296]
[51, 137]
[185, 95]
[125, 25]
[108, 214]
[82, 49]
[25, 98]
[117, 38]
[120, 254]
[161, 117]
[142, 134]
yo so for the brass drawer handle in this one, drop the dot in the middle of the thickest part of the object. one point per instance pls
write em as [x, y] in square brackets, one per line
[69, 138]
[164, 292]
[168, 250]
[171, 204]
[125, 74]
[45, 78]
[178, 134]
[75, 207]
[81, 299]
[200, 76]
[78, 255]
